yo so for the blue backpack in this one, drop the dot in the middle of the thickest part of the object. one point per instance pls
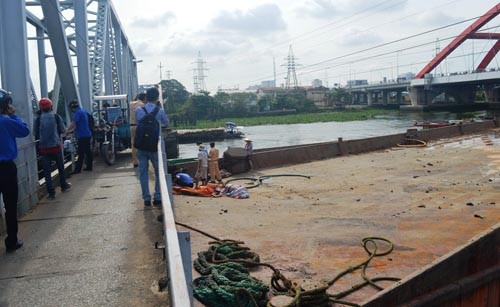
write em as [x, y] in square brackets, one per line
[148, 132]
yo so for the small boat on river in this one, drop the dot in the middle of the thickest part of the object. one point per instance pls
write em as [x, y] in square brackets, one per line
[232, 131]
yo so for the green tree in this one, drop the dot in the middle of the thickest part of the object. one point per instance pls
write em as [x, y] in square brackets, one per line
[339, 96]
[241, 104]
[265, 103]
[201, 106]
[175, 94]
[291, 100]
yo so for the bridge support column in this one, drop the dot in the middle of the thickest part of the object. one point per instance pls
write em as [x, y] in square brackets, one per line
[419, 96]
[385, 97]
[399, 97]
[492, 94]
[364, 98]
[369, 98]
[16, 78]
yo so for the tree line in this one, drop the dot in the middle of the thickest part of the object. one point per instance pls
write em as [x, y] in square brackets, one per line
[185, 108]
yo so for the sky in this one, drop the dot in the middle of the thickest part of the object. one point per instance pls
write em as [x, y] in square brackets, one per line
[239, 40]
[242, 43]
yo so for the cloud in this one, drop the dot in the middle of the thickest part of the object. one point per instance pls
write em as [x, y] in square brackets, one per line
[153, 21]
[328, 9]
[261, 20]
[324, 9]
[355, 37]
[433, 19]
[188, 46]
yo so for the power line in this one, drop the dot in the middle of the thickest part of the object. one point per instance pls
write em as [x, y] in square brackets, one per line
[287, 41]
[382, 45]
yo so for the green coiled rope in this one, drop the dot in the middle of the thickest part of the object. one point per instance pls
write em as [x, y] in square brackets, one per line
[226, 280]
[227, 283]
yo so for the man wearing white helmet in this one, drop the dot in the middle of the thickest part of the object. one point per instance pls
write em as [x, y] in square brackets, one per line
[11, 127]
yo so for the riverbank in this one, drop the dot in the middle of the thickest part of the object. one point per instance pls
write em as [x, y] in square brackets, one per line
[350, 114]
[428, 201]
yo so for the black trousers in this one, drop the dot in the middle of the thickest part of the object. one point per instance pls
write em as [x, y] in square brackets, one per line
[84, 151]
[9, 191]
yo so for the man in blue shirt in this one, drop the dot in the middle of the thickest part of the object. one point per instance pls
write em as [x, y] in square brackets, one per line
[11, 127]
[80, 125]
[152, 95]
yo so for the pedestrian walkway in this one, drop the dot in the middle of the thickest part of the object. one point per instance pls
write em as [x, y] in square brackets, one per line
[91, 246]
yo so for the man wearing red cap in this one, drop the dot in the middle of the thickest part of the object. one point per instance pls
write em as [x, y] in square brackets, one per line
[48, 129]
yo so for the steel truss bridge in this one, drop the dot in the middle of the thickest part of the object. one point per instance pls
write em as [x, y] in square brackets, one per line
[427, 86]
[82, 34]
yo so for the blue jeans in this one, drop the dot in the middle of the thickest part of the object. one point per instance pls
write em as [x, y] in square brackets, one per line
[144, 157]
[47, 169]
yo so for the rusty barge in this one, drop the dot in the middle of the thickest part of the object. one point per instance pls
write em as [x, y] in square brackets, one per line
[438, 205]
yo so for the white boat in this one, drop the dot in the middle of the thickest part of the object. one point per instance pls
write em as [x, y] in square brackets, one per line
[233, 131]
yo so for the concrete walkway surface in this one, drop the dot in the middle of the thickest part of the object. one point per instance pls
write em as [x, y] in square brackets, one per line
[91, 246]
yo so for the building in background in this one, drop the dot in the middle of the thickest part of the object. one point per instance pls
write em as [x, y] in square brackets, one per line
[317, 83]
[268, 83]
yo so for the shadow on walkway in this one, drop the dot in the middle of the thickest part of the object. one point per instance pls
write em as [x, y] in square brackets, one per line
[91, 246]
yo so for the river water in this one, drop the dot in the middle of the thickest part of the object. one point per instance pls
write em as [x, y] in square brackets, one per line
[296, 134]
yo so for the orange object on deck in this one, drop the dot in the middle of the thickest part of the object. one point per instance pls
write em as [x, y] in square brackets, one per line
[208, 190]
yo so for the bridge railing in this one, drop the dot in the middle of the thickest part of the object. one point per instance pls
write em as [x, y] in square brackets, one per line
[177, 249]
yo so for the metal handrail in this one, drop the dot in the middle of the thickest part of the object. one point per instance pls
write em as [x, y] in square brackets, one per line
[179, 293]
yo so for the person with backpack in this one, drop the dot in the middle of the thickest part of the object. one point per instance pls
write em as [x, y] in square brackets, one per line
[148, 119]
[48, 129]
[81, 126]
[11, 127]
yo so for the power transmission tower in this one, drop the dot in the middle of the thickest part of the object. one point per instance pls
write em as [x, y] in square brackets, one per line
[199, 75]
[161, 68]
[291, 77]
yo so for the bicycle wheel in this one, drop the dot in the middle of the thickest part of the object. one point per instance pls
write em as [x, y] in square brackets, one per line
[108, 154]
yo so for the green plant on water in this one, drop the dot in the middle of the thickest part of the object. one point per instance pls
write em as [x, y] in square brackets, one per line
[468, 115]
[306, 118]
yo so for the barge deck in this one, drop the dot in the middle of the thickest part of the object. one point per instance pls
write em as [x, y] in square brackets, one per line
[427, 201]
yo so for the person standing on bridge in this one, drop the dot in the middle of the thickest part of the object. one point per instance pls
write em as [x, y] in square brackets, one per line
[139, 101]
[144, 156]
[11, 127]
[48, 129]
[80, 125]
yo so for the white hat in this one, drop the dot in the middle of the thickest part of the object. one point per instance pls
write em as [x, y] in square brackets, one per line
[248, 140]
[201, 147]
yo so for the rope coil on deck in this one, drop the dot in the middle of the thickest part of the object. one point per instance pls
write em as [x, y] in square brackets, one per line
[413, 143]
[226, 280]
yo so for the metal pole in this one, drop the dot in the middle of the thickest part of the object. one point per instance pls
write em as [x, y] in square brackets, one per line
[108, 78]
[118, 52]
[42, 65]
[82, 54]
[59, 43]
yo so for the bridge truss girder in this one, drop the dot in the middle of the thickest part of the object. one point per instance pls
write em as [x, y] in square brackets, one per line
[470, 33]
[70, 27]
